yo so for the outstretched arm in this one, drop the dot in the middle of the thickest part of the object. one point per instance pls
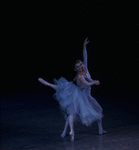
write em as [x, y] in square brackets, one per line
[85, 53]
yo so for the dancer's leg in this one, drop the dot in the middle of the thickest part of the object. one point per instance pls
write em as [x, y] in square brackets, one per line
[101, 131]
[99, 122]
[65, 128]
[48, 84]
[71, 127]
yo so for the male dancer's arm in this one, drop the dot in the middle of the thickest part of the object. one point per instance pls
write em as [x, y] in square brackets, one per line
[85, 53]
[82, 80]
[85, 57]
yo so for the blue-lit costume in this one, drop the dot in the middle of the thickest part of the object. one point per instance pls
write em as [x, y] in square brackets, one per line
[76, 99]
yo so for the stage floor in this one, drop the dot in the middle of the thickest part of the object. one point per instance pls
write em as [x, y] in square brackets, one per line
[31, 120]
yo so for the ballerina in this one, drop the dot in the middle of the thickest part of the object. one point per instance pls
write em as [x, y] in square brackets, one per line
[75, 100]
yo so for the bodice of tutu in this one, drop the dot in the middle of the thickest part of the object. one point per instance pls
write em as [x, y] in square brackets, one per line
[82, 85]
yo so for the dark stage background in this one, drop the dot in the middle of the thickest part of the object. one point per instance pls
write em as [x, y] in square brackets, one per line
[45, 38]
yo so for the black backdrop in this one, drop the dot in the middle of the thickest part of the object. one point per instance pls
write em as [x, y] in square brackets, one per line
[44, 39]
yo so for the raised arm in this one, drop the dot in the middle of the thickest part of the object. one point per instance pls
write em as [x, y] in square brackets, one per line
[85, 53]
[82, 80]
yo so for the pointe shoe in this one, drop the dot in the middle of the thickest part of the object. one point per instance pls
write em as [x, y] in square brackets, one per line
[63, 135]
[102, 132]
[71, 136]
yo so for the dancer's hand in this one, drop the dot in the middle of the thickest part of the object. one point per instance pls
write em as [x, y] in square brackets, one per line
[97, 82]
[85, 42]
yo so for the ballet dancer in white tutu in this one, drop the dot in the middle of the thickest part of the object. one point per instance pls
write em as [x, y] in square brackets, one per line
[75, 99]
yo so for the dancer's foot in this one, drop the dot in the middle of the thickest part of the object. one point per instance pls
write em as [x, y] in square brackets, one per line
[43, 81]
[71, 136]
[102, 132]
[63, 135]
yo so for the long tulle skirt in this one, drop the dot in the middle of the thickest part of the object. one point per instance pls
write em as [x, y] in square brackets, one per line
[77, 102]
